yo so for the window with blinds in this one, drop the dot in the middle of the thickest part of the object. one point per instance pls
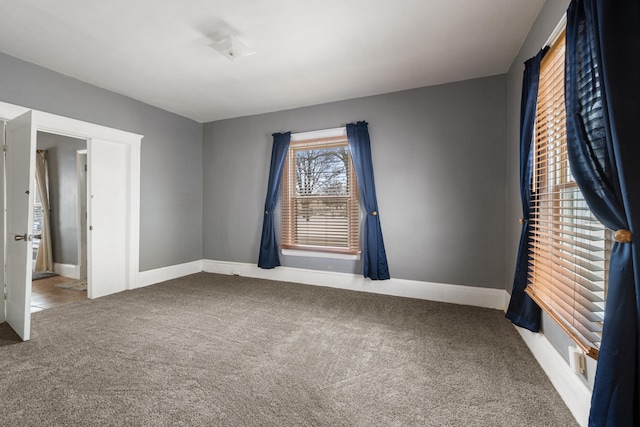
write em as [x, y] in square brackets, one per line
[38, 222]
[569, 246]
[320, 201]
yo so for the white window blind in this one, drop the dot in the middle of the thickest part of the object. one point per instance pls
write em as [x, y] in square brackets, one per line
[38, 222]
[569, 246]
[320, 201]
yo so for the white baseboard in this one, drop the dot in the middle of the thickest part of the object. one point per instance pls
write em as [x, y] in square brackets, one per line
[150, 277]
[67, 270]
[455, 294]
[575, 393]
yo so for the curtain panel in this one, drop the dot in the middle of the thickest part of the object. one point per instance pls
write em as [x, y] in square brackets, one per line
[44, 257]
[268, 257]
[603, 104]
[523, 311]
[373, 252]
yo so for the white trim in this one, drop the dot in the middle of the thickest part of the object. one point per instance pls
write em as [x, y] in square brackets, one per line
[78, 129]
[316, 134]
[150, 277]
[557, 31]
[133, 224]
[575, 393]
[507, 300]
[10, 111]
[81, 195]
[3, 226]
[67, 270]
[317, 254]
[47, 122]
[455, 294]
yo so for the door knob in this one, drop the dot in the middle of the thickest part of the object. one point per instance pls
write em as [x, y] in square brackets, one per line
[24, 237]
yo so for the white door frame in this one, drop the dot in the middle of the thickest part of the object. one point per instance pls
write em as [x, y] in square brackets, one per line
[81, 172]
[3, 232]
[60, 125]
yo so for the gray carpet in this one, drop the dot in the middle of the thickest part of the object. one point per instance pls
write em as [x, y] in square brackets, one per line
[228, 351]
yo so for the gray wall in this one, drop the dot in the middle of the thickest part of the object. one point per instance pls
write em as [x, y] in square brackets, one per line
[171, 164]
[439, 160]
[63, 194]
[541, 30]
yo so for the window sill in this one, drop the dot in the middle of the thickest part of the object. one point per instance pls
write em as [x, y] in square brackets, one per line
[317, 254]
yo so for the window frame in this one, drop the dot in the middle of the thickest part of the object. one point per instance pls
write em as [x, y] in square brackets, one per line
[327, 138]
[553, 249]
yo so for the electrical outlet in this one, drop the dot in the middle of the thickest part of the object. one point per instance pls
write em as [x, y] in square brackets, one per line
[577, 360]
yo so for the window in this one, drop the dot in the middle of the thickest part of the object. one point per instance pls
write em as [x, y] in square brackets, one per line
[38, 222]
[320, 201]
[569, 246]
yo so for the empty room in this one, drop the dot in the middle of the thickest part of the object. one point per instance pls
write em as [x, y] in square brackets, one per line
[305, 213]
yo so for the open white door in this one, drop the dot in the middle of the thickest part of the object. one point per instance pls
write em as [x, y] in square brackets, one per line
[20, 181]
[108, 211]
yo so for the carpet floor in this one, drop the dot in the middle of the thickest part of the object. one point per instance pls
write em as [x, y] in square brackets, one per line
[217, 350]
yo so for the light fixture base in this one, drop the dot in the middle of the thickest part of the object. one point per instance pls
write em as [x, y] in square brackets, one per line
[232, 48]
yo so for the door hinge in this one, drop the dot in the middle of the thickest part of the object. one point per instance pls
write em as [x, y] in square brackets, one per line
[85, 168]
[91, 228]
[4, 148]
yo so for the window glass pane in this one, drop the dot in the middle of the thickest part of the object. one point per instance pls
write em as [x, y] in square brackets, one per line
[322, 172]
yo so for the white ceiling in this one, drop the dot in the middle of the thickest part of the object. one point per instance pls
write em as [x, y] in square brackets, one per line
[308, 51]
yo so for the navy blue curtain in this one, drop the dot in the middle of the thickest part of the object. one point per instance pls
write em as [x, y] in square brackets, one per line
[268, 257]
[603, 131]
[375, 257]
[523, 311]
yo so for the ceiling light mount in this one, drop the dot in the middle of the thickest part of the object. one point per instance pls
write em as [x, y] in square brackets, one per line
[232, 48]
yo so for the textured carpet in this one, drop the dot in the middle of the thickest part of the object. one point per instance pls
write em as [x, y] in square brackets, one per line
[76, 285]
[229, 351]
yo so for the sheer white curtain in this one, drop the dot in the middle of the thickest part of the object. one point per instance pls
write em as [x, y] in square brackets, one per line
[44, 259]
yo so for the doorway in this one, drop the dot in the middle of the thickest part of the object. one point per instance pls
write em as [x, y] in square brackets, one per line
[113, 206]
[59, 239]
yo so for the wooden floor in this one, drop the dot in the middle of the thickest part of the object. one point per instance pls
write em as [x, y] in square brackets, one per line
[45, 295]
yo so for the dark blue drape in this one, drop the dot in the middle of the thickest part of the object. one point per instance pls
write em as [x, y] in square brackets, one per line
[268, 257]
[603, 131]
[523, 311]
[375, 257]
